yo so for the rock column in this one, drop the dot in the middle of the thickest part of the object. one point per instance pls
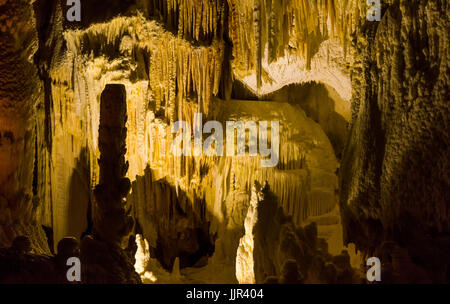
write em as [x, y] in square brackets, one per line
[112, 220]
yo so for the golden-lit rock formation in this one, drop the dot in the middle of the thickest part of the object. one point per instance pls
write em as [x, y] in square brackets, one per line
[360, 101]
[266, 30]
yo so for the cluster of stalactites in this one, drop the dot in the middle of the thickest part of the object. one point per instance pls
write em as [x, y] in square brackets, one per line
[179, 71]
[279, 25]
[193, 19]
[182, 74]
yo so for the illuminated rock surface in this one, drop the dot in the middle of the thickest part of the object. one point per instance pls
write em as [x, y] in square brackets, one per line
[364, 141]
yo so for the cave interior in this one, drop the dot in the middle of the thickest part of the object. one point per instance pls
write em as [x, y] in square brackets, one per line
[88, 107]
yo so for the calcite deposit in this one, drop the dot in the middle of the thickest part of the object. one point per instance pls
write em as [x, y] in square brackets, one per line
[274, 250]
[394, 175]
[87, 110]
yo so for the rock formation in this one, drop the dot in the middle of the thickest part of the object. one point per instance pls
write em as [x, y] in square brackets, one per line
[112, 223]
[20, 91]
[86, 116]
[112, 220]
[394, 175]
[273, 249]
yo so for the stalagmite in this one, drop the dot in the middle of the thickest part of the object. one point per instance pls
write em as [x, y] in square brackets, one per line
[112, 220]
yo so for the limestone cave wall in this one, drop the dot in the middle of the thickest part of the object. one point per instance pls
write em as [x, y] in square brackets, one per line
[394, 175]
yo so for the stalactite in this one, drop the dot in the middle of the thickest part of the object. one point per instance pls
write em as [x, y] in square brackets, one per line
[193, 19]
[193, 73]
[179, 71]
[280, 25]
[258, 43]
[304, 179]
